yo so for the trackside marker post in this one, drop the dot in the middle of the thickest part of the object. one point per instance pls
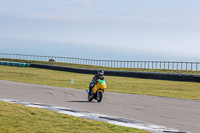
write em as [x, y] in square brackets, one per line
[72, 81]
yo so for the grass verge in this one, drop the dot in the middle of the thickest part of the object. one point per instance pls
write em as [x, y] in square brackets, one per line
[174, 89]
[104, 68]
[15, 118]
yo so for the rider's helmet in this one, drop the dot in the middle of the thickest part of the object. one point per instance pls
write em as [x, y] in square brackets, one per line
[100, 72]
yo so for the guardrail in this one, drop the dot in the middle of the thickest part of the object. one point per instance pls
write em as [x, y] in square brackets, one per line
[188, 66]
[145, 75]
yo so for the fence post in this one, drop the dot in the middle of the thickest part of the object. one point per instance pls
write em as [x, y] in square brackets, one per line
[137, 64]
[186, 66]
[107, 63]
[191, 66]
[168, 65]
[164, 64]
[99, 62]
[156, 64]
[196, 67]
[160, 65]
[173, 66]
[181, 66]
[177, 66]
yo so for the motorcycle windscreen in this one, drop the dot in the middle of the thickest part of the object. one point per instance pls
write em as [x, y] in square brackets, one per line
[102, 81]
[103, 84]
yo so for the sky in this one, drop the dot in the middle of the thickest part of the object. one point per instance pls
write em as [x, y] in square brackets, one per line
[166, 30]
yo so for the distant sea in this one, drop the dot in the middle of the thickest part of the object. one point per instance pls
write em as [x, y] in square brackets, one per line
[85, 51]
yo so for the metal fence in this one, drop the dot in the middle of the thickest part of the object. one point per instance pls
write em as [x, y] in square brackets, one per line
[189, 66]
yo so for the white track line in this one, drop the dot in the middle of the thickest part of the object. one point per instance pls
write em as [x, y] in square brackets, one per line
[99, 117]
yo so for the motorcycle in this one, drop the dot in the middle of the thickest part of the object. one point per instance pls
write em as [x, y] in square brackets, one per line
[97, 91]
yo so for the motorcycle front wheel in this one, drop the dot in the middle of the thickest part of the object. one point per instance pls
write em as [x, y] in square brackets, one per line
[99, 96]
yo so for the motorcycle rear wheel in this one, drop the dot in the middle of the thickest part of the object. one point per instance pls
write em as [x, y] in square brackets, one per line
[90, 98]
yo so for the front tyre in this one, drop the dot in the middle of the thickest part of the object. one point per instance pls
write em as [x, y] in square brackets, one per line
[99, 96]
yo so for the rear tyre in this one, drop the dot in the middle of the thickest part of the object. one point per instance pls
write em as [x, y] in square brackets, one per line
[90, 98]
[99, 96]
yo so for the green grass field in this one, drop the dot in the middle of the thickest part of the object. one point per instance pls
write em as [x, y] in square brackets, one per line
[15, 118]
[18, 118]
[104, 68]
[174, 89]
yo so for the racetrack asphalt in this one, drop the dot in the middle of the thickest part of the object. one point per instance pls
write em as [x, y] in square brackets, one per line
[175, 113]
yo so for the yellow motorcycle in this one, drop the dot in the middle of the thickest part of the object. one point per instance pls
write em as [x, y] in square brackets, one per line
[97, 91]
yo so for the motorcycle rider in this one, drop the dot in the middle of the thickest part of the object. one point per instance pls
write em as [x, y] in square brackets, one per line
[95, 79]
